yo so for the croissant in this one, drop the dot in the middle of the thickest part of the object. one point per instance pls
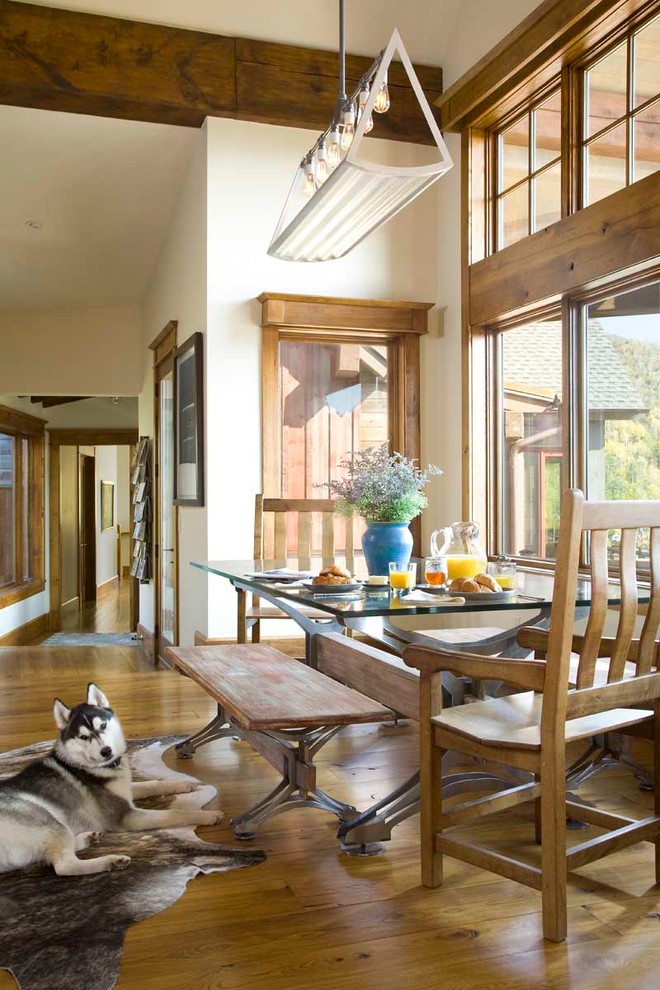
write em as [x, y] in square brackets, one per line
[487, 583]
[465, 585]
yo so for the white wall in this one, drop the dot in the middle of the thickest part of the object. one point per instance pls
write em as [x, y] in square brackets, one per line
[106, 539]
[250, 167]
[178, 292]
[94, 351]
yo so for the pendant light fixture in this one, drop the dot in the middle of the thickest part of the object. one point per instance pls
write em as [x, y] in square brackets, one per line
[338, 197]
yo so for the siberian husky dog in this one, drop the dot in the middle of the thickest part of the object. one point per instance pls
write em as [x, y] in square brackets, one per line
[57, 805]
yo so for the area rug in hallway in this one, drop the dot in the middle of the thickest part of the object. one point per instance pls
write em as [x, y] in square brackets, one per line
[69, 931]
[90, 639]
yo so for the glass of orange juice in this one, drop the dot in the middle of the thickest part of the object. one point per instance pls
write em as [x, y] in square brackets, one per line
[435, 570]
[504, 572]
[402, 576]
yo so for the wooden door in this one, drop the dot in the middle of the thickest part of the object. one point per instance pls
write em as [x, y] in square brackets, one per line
[87, 530]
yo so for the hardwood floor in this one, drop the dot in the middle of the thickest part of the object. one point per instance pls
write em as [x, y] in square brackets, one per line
[109, 614]
[311, 917]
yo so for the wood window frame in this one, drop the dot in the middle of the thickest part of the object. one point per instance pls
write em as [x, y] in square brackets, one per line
[495, 196]
[328, 319]
[572, 315]
[23, 426]
[602, 247]
[625, 35]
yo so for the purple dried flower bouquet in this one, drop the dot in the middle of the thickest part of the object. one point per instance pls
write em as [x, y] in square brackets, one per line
[382, 487]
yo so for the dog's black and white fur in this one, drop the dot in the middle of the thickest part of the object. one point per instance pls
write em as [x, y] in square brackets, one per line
[55, 806]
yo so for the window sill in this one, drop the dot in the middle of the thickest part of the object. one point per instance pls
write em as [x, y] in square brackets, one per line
[19, 592]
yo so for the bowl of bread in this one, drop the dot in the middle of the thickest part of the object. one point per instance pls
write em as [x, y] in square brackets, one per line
[481, 586]
[333, 578]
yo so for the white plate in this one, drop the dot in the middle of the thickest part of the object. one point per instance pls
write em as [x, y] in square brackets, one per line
[470, 596]
[331, 589]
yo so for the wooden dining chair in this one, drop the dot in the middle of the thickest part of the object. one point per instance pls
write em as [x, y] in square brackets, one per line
[285, 527]
[531, 729]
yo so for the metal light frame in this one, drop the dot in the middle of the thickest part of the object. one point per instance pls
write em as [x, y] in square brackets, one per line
[359, 195]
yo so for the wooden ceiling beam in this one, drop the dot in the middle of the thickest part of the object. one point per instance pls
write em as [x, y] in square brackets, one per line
[55, 59]
[57, 400]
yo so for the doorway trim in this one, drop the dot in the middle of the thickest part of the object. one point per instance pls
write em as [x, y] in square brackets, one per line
[72, 438]
[163, 348]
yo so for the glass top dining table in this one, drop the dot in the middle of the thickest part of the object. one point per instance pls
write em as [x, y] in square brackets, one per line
[533, 591]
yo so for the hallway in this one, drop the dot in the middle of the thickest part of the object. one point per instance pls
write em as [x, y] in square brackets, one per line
[109, 614]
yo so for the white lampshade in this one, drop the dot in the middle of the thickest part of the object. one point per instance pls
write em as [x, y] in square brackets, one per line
[359, 195]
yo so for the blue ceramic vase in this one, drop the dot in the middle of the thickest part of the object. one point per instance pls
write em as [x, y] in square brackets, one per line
[386, 541]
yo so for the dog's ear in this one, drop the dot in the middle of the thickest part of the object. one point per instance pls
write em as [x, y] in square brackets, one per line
[96, 697]
[62, 714]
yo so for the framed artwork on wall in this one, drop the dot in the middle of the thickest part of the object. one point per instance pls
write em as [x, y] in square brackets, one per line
[189, 422]
[107, 505]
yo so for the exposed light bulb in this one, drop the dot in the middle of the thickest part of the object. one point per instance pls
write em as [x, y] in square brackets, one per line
[347, 127]
[309, 180]
[334, 148]
[362, 102]
[382, 104]
[321, 163]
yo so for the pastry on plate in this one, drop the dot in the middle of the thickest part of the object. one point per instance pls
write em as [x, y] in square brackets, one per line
[465, 585]
[334, 574]
[487, 583]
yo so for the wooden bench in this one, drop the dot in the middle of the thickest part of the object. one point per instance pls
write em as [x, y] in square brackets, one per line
[286, 711]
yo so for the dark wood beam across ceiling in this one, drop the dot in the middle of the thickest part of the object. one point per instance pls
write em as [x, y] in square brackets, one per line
[47, 401]
[56, 59]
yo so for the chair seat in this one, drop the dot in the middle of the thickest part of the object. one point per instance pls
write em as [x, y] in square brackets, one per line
[514, 721]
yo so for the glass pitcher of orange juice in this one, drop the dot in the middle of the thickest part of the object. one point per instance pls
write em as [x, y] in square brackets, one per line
[459, 543]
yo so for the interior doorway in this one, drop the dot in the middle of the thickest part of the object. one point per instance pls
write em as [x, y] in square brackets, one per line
[87, 530]
[87, 562]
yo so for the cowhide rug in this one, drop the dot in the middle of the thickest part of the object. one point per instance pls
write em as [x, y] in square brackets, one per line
[69, 931]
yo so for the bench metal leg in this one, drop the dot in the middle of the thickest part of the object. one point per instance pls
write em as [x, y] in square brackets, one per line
[217, 728]
[294, 750]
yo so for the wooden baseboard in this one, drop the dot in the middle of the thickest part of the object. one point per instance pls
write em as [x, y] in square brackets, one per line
[26, 633]
[71, 603]
[106, 587]
[146, 642]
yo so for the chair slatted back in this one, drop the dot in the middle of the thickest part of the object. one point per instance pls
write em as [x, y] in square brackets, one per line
[608, 525]
[299, 527]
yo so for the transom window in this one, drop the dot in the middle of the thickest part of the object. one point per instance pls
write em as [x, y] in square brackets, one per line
[621, 119]
[528, 156]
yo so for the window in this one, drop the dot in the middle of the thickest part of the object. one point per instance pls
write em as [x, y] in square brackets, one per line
[621, 115]
[338, 375]
[334, 402]
[530, 459]
[623, 395]
[21, 506]
[611, 392]
[528, 157]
